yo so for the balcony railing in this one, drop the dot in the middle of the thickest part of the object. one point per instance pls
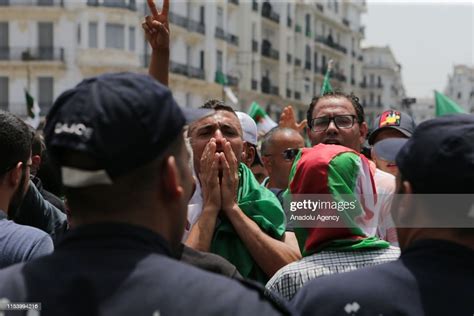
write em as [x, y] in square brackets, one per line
[297, 95]
[254, 84]
[32, 54]
[220, 33]
[275, 90]
[232, 81]
[255, 46]
[197, 73]
[121, 4]
[188, 71]
[289, 58]
[339, 77]
[268, 51]
[329, 42]
[186, 23]
[268, 13]
[45, 3]
[233, 39]
[265, 85]
[297, 62]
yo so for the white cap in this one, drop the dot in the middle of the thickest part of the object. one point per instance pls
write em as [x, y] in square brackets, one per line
[249, 128]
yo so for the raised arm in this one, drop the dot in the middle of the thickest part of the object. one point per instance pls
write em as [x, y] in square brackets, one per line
[157, 33]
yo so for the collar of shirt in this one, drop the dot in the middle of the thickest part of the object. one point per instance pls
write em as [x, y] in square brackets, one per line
[115, 235]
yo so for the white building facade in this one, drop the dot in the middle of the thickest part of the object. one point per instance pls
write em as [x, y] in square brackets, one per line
[382, 86]
[274, 53]
[460, 87]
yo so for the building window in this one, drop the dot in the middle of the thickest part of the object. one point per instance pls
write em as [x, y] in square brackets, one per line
[379, 101]
[45, 94]
[201, 60]
[79, 34]
[4, 41]
[131, 38]
[371, 99]
[114, 36]
[202, 15]
[220, 18]
[459, 95]
[307, 24]
[219, 60]
[93, 35]
[336, 6]
[315, 60]
[4, 93]
[371, 79]
[45, 40]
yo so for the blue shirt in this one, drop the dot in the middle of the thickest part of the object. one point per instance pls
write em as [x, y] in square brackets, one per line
[20, 243]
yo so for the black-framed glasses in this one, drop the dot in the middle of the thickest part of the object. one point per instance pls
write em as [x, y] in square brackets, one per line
[320, 124]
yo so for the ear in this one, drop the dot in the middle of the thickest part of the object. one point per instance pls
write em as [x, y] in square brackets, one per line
[250, 154]
[364, 129]
[14, 175]
[36, 161]
[171, 181]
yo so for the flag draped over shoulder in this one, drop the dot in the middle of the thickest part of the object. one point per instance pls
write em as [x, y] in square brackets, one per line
[261, 206]
[445, 105]
[32, 110]
[340, 174]
[326, 86]
[264, 122]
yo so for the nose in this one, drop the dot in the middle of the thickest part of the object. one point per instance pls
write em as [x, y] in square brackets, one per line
[220, 140]
[332, 128]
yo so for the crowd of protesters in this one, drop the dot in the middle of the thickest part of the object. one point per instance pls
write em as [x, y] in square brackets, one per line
[126, 203]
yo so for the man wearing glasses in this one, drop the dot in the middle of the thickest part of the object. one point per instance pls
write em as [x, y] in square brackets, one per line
[17, 242]
[337, 118]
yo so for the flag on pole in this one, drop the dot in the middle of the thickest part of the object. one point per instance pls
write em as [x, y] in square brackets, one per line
[33, 111]
[326, 86]
[264, 122]
[222, 80]
[445, 105]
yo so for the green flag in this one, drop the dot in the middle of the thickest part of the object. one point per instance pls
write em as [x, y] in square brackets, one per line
[221, 78]
[326, 87]
[33, 110]
[264, 122]
[445, 105]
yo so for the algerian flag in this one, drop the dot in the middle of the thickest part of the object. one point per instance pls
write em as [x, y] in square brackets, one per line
[445, 105]
[264, 122]
[326, 87]
[222, 80]
[33, 111]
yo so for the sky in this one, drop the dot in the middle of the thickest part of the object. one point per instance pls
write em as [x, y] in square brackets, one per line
[427, 38]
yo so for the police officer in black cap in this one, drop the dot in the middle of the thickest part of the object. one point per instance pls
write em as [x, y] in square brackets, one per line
[119, 141]
[434, 213]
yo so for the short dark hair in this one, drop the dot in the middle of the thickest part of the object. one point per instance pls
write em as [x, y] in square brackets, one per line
[37, 146]
[15, 141]
[217, 105]
[336, 94]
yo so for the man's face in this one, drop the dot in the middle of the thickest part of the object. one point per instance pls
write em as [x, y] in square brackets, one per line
[277, 164]
[223, 126]
[17, 197]
[351, 137]
[388, 133]
[384, 165]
